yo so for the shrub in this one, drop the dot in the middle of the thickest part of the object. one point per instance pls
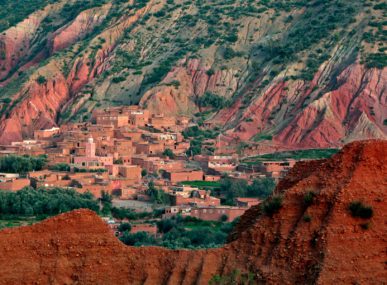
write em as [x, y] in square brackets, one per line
[144, 172]
[358, 209]
[210, 72]
[124, 227]
[309, 198]
[210, 99]
[224, 218]
[168, 152]
[307, 218]
[118, 79]
[365, 226]
[41, 79]
[273, 206]
[376, 60]
[60, 167]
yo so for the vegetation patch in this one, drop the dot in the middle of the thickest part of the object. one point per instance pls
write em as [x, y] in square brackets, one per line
[182, 232]
[22, 164]
[230, 190]
[307, 218]
[359, 209]
[236, 277]
[296, 155]
[30, 202]
[201, 183]
[365, 226]
[309, 198]
[272, 206]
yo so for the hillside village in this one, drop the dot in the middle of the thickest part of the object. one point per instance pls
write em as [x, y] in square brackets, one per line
[143, 161]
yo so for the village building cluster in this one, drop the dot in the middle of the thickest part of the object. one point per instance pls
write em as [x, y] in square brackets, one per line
[122, 149]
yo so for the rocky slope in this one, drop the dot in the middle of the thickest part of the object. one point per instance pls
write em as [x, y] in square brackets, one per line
[304, 74]
[332, 247]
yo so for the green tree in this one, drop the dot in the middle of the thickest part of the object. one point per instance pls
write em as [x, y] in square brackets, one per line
[60, 167]
[261, 188]
[41, 79]
[29, 201]
[168, 152]
[125, 227]
[210, 99]
[106, 201]
[22, 164]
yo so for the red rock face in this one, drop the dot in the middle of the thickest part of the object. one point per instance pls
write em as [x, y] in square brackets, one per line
[38, 109]
[353, 110]
[82, 25]
[194, 82]
[336, 115]
[77, 247]
[15, 43]
[336, 106]
[40, 105]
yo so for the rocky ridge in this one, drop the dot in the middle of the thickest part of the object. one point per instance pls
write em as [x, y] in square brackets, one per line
[302, 81]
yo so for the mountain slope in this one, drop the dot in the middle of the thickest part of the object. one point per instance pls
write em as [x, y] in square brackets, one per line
[331, 247]
[307, 73]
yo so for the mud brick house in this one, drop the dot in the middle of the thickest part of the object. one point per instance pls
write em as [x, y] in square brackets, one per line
[54, 158]
[171, 164]
[149, 148]
[275, 169]
[216, 213]
[178, 200]
[30, 147]
[149, 228]
[174, 210]
[126, 159]
[145, 162]
[180, 147]
[72, 127]
[183, 121]
[130, 172]
[13, 184]
[129, 193]
[42, 134]
[184, 175]
[39, 174]
[159, 121]
[246, 202]
[124, 147]
[192, 196]
[53, 183]
[223, 163]
[128, 133]
[100, 128]
[212, 178]
[116, 120]
[139, 118]
[95, 189]
[218, 167]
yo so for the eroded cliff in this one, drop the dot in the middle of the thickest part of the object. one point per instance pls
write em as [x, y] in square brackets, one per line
[305, 75]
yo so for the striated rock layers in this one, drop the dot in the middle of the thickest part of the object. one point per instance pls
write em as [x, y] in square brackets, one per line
[77, 247]
[352, 108]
